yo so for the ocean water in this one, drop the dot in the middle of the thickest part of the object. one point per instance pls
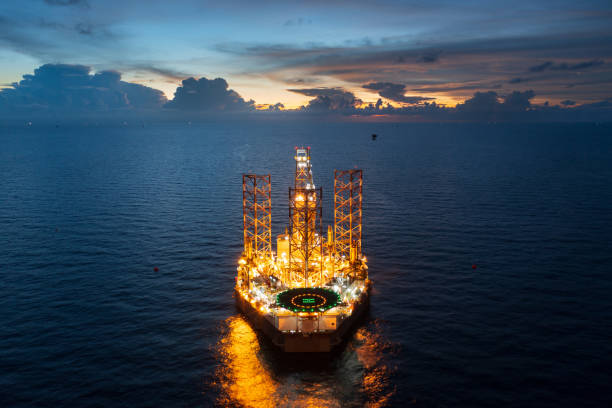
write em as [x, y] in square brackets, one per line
[87, 214]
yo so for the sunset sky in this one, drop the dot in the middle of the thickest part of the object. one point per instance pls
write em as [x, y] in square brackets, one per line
[404, 52]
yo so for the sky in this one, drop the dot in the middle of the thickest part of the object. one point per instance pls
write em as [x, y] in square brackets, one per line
[345, 56]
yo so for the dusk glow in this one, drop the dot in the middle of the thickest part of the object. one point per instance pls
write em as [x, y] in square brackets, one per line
[332, 56]
[305, 203]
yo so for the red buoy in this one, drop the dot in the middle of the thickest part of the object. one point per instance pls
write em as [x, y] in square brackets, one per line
[473, 266]
[156, 269]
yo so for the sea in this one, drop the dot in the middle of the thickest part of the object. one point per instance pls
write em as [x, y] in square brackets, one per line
[489, 248]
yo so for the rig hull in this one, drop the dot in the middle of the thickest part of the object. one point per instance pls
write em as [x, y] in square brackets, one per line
[302, 342]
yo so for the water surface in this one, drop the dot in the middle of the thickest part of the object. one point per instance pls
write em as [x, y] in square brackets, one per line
[88, 212]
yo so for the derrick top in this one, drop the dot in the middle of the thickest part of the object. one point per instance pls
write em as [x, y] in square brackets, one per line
[303, 170]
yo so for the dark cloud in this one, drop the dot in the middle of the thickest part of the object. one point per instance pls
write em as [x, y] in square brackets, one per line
[297, 22]
[329, 99]
[460, 54]
[490, 106]
[72, 90]
[299, 81]
[84, 29]
[430, 56]
[394, 92]
[169, 73]
[564, 66]
[207, 95]
[49, 40]
[13, 37]
[481, 101]
[467, 87]
[518, 101]
[62, 87]
[597, 105]
[541, 67]
[466, 64]
[83, 3]
[277, 107]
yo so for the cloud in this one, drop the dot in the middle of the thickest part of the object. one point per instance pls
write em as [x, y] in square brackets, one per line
[466, 64]
[207, 95]
[467, 87]
[329, 99]
[564, 66]
[72, 90]
[297, 22]
[461, 56]
[430, 56]
[277, 107]
[518, 101]
[84, 29]
[83, 3]
[47, 39]
[63, 87]
[394, 92]
[490, 106]
[170, 74]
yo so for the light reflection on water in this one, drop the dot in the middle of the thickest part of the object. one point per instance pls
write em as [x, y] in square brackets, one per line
[252, 373]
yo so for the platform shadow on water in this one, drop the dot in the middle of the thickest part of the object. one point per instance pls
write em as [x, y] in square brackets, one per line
[251, 372]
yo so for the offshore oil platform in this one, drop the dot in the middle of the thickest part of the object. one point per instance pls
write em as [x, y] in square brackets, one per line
[308, 294]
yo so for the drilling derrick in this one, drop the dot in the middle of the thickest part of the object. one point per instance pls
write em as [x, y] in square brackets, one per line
[305, 228]
[257, 221]
[303, 169]
[307, 294]
[347, 217]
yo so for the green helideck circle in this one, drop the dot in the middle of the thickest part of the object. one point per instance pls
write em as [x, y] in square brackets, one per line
[308, 299]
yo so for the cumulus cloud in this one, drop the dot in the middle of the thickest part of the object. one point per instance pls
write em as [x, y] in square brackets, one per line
[57, 87]
[490, 106]
[276, 107]
[72, 89]
[564, 66]
[518, 101]
[394, 92]
[208, 95]
[329, 99]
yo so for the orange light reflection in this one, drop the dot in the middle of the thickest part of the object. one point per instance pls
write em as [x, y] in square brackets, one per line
[251, 375]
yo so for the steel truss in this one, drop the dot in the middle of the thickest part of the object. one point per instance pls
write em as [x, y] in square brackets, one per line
[303, 170]
[257, 215]
[305, 236]
[348, 186]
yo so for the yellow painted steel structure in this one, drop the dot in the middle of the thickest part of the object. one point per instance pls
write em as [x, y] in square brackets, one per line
[303, 257]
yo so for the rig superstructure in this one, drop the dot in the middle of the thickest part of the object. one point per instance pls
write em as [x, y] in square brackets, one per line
[307, 294]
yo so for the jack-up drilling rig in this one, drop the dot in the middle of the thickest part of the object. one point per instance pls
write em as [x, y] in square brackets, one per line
[307, 295]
